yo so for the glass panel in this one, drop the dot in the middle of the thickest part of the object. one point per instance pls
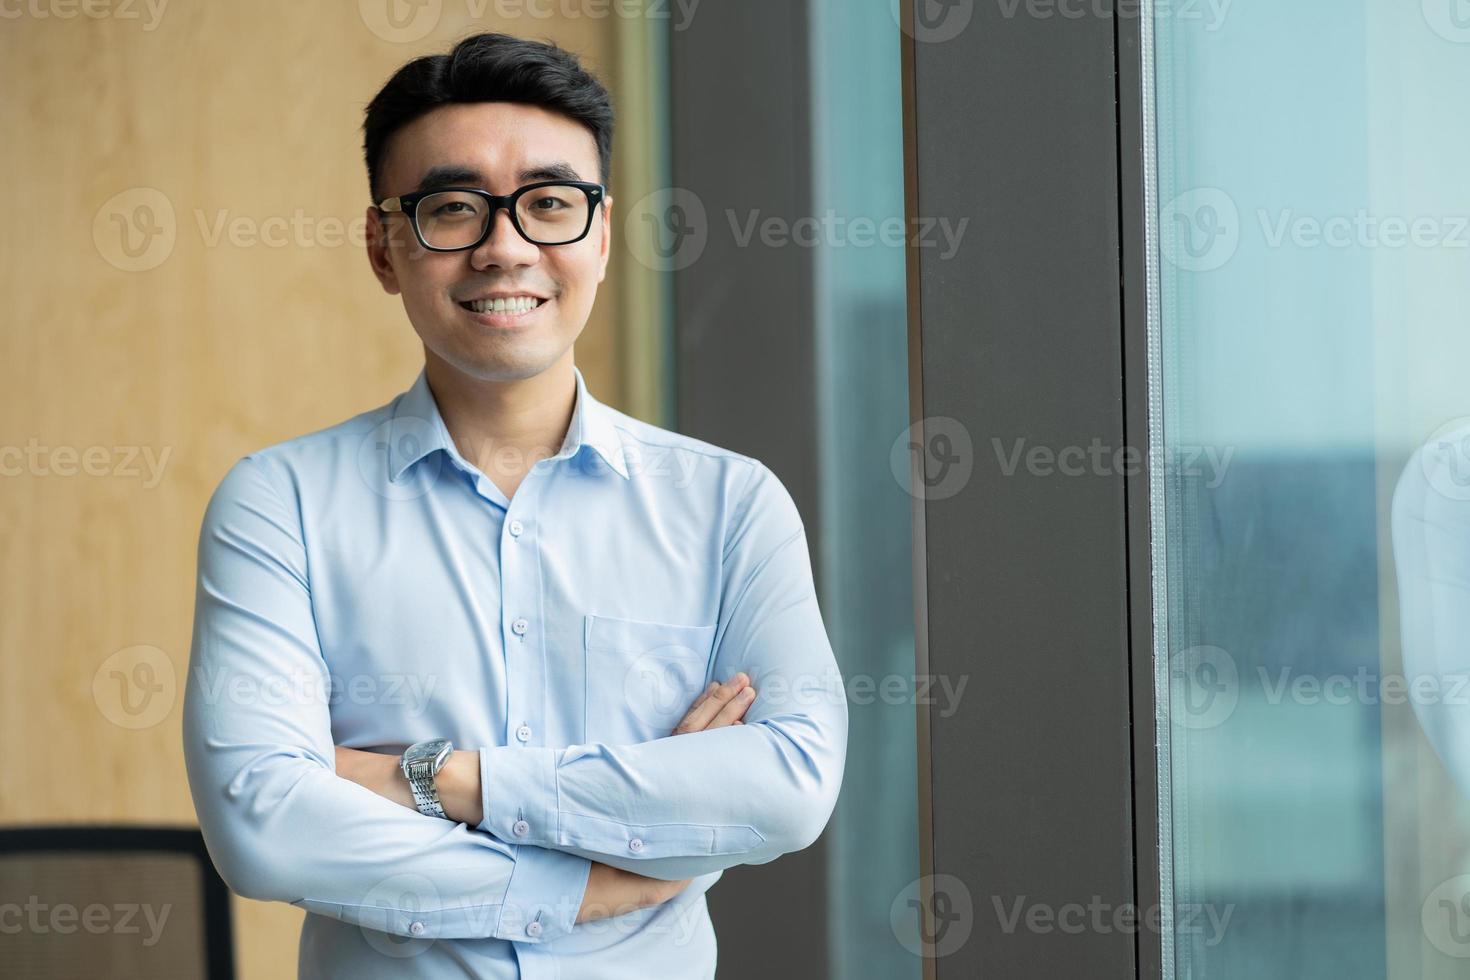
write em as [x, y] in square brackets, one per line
[1310, 290]
[866, 535]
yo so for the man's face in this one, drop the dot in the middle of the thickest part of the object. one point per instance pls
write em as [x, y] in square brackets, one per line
[500, 146]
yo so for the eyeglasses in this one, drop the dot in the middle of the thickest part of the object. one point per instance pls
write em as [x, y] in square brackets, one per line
[552, 212]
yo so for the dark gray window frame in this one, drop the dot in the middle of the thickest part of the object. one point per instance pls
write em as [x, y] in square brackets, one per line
[740, 140]
[1035, 584]
[1037, 587]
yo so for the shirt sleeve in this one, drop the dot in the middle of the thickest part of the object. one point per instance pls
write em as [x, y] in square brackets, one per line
[686, 805]
[279, 823]
[1431, 547]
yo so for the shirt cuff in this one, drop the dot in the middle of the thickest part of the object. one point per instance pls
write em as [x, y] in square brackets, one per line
[544, 896]
[518, 793]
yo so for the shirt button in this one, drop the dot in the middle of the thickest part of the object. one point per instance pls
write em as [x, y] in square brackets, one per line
[524, 733]
[519, 626]
[516, 527]
[635, 845]
[534, 930]
[520, 828]
[417, 928]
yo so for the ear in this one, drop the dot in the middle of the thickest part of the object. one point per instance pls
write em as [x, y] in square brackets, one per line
[607, 205]
[379, 244]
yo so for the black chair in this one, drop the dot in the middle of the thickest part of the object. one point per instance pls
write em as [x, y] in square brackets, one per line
[112, 901]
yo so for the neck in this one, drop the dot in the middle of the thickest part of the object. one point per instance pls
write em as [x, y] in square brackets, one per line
[504, 427]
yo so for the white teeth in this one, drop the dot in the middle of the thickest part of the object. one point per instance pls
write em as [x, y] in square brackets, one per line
[516, 304]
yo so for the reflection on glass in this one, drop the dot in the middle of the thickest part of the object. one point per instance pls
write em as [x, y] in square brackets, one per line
[866, 538]
[1431, 544]
[1309, 321]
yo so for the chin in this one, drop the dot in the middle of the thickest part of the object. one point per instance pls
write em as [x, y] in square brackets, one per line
[499, 365]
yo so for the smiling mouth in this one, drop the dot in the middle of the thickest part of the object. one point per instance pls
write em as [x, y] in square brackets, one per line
[514, 306]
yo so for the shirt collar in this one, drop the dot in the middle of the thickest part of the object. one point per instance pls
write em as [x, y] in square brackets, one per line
[417, 429]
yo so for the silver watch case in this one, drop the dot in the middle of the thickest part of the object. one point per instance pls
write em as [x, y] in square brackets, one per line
[421, 762]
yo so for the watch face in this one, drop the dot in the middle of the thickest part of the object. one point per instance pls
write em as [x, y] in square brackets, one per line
[433, 751]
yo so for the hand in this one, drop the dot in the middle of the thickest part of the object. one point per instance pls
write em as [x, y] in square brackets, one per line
[458, 781]
[719, 706]
[611, 891]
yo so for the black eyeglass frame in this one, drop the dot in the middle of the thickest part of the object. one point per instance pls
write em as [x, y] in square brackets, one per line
[408, 205]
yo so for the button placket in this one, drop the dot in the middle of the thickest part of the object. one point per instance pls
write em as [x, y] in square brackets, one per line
[520, 605]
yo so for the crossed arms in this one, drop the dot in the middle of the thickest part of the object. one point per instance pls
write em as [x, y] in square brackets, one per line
[283, 824]
[610, 890]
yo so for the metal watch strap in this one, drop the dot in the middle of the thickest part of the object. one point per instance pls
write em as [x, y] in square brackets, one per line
[425, 794]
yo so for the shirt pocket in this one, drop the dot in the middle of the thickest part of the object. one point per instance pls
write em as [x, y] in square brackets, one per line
[641, 676]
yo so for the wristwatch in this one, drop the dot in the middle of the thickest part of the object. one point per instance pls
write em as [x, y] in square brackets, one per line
[421, 763]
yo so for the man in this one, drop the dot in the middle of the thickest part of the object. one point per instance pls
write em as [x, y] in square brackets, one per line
[494, 680]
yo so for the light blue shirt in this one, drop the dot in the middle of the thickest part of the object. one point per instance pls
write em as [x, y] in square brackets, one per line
[1431, 549]
[366, 586]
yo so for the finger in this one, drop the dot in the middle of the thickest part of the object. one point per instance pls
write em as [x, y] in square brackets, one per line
[698, 717]
[703, 697]
[718, 702]
[709, 689]
[710, 704]
[734, 710]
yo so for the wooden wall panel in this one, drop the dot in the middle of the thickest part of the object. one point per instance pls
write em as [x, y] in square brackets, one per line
[132, 378]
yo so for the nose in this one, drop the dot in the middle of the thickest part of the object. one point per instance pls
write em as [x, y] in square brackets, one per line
[504, 247]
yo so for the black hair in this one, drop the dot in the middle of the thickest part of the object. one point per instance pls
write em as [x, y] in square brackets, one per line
[489, 68]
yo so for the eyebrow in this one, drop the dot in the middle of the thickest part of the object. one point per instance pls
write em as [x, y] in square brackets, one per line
[456, 175]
